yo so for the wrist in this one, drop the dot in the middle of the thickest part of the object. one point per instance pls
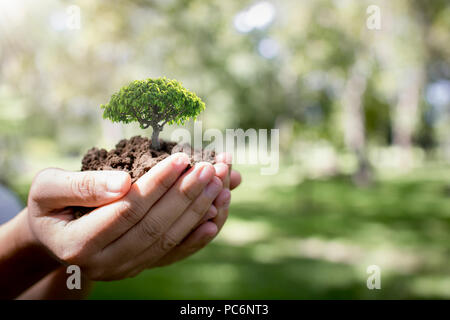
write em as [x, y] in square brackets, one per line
[25, 240]
[23, 237]
[22, 257]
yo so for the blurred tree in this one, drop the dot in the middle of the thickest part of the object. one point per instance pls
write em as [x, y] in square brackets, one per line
[257, 64]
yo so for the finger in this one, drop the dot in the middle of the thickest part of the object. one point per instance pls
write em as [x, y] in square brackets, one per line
[224, 157]
[222, 172]
[113, 220]
[222, 203]
[196, 211]
[223, 199]
[180, 229]
[161, 216]
[197, 240]
[210, 214]
[221, 218]
[235, 179]
[57, 189]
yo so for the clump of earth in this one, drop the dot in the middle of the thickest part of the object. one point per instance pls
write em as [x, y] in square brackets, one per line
[136, 156]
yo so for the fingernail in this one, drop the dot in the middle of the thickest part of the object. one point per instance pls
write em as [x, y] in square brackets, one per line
[210, 234]
[212, 213]
[221, 170]
[205, 173]
[225, 158]
[116, 181]
[213, 188]
[181, 160]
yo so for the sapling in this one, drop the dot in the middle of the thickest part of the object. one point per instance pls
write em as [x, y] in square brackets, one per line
[153, 103]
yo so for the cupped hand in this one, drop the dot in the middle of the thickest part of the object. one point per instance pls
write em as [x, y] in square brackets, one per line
[135, 226]
[215, 218]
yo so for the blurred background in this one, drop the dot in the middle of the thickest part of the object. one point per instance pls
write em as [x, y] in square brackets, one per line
[363, 113]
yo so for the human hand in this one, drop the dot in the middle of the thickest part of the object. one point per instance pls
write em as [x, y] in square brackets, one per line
[214, 219]
[135, 226]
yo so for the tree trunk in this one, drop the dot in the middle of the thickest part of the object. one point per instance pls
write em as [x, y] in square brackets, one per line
[406, 113]
[353, 122]
[155, 138]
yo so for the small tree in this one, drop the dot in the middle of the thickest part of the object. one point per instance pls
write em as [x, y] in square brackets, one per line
[153, 102]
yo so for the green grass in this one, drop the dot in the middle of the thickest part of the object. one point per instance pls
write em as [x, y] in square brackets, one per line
[314, 240]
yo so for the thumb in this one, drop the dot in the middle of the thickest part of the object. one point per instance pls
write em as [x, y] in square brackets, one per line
[55, 188]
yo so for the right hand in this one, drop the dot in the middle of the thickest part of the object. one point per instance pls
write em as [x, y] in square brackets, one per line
[216, 217]
[134, 227]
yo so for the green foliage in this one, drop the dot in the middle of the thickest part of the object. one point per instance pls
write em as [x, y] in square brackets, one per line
[153, 102]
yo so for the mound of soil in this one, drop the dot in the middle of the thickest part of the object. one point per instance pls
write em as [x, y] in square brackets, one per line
[136, 156]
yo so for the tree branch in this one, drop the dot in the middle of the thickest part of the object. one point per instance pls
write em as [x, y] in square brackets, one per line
[144, 123]
[175, 116]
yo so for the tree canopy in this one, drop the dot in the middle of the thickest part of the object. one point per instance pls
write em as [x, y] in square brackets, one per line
[153, 102]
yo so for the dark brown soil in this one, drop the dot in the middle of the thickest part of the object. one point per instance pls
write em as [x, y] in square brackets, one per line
[136, 157]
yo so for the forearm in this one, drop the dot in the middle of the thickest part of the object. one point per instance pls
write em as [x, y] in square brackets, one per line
[53, 287]
[23, 261]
